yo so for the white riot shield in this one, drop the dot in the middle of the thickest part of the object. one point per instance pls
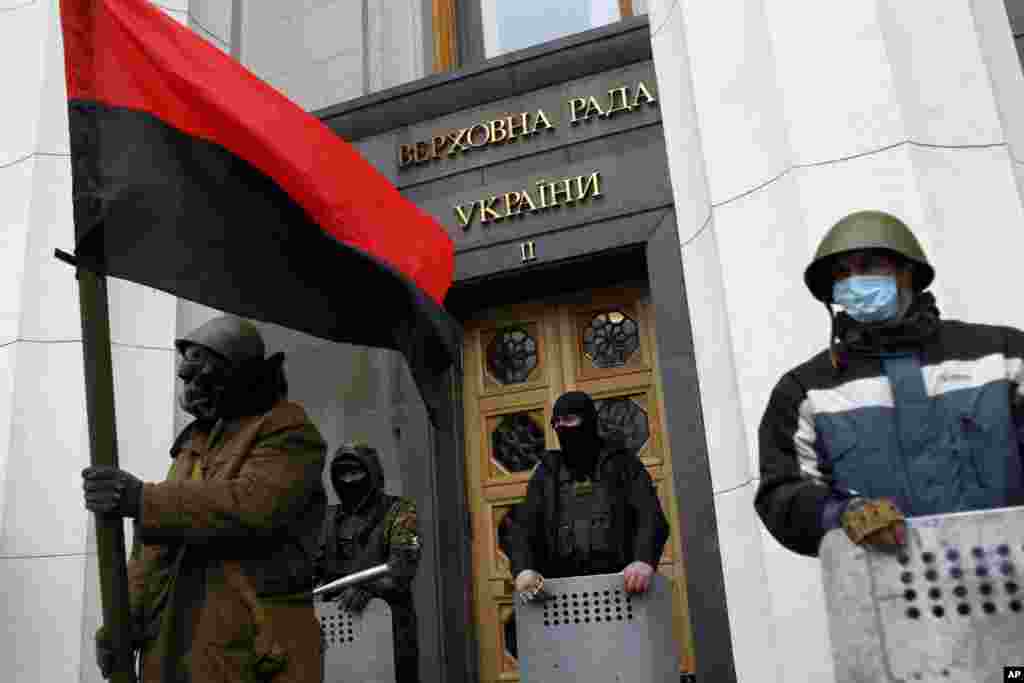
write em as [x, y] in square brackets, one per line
[589, 629]
[947, 609]
[357, 647]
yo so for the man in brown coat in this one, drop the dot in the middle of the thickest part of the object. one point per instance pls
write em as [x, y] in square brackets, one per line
[223, 555]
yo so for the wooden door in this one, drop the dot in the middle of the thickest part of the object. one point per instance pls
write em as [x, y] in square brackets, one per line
[518, 360]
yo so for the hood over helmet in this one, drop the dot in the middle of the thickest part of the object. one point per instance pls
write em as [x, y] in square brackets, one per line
[364, 455]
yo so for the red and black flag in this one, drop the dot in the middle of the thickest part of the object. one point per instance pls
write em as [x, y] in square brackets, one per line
[192, 176]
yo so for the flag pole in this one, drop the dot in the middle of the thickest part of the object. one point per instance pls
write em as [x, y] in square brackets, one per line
[99, 405]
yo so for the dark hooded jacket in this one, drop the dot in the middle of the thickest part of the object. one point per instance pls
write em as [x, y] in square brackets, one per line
[382, 528]
[535, 535]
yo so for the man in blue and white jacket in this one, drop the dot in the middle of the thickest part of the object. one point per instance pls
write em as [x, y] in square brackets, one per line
[904, 414]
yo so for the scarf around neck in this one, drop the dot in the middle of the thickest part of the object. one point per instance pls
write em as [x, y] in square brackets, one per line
[907, 333]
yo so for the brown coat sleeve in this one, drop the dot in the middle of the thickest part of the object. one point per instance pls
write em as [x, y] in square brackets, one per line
[148, 573]
[256, 482]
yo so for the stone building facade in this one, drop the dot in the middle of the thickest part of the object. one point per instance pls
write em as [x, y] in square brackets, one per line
[763, 122]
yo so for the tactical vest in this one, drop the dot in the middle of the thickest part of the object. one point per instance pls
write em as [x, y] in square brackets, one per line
[591, 535]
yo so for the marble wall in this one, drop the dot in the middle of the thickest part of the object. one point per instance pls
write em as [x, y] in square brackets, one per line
[47, 548]
[779, 118]
[787, 117]
[322, 53]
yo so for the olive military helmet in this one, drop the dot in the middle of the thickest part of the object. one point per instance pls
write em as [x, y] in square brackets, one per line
[866, 230]
[235, 339]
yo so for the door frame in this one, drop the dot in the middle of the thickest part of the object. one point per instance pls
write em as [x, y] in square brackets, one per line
[658, 260]
[489, 272]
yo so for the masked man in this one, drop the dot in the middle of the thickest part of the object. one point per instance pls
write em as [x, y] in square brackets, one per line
[904, 414]
[367, 527]
[225, 546]
[590, 508]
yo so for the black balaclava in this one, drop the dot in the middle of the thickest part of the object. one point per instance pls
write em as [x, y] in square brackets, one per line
[580, 445]
[352, 481]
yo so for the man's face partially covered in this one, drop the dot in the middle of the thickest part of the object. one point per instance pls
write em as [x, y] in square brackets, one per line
[350, 479]
[205, 375]
[574, 419]
[872, 285]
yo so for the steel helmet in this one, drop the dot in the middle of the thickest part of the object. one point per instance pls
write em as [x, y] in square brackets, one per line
[236, 339]
[866, 230]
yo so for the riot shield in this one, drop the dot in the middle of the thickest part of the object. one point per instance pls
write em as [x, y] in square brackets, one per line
[946, 609]
[357, 647]
[590, 629]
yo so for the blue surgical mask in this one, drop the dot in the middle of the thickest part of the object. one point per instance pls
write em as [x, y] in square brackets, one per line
[868, 298]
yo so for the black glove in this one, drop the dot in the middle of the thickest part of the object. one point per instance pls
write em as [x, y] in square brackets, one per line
[104, 656]
[111, 491]
[354, 599]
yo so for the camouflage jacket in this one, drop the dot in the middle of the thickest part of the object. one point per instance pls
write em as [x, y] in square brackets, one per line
[381, 528]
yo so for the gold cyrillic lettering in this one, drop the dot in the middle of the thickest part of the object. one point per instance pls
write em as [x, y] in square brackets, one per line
[512, 200]
[622, 105]
[560, 187]
[438, 144]
[457, 138]
[528, 251]
[498, 126]
[517, 125]
[592, 106]
[487, 135]
[576, 105]
[486, 210]
[542, 121]
[525, 198]
[422, 152]
[642, 91]
[592, 187]
[465, 218]
[550, 194]
[541, 186]
[406, 155]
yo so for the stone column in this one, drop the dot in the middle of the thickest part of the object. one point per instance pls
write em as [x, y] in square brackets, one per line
[780, 118]
[42, 405]
[314, 53]
[47, 549]
[396, 43]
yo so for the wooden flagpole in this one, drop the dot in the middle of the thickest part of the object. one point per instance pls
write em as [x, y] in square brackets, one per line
[99, 404]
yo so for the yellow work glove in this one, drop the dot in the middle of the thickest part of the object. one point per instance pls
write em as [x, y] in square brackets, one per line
[874, 522]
